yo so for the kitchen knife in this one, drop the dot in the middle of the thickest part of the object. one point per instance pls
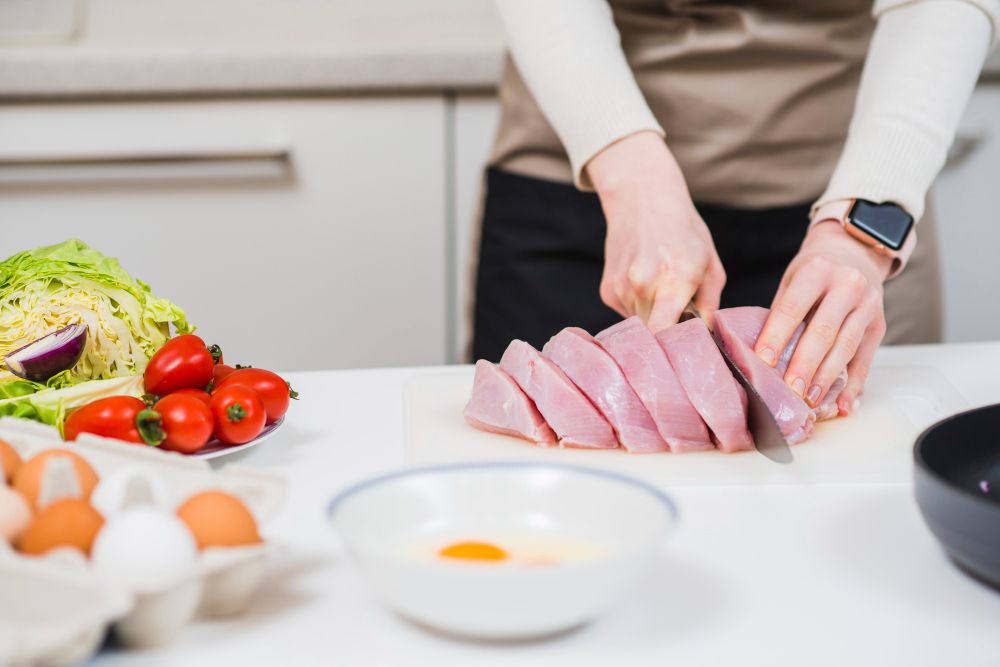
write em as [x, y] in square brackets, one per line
[767, 435]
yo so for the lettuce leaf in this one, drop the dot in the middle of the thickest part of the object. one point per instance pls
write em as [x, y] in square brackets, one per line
[47, 288]
[50, 404]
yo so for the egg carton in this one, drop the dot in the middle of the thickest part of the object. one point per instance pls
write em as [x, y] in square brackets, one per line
[263, 492]
[79, 604]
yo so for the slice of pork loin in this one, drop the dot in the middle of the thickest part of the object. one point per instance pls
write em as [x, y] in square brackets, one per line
[749, 324]
[575, 420]
[599, 377]
[708, 382]
[738, 328]
[642, 360]
[497, 404]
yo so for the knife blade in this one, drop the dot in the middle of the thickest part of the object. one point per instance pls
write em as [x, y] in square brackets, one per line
[767, 435]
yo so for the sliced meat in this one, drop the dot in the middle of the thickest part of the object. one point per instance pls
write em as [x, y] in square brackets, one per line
[738, 328]
[708, 383]
[642, 360]
[594, 371]
[828, 408]
[575, 420]
[747, 322]
[497, 404]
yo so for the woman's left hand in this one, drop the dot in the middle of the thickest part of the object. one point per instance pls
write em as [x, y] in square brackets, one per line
[840, 281]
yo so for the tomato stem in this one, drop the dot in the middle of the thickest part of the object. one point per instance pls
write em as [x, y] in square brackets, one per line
[291, 392]
[216, 353]
[235, 413]
[149, 423]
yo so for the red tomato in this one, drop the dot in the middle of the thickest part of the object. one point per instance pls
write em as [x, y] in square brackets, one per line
[221, 371]
[239, 414]
[122, 417]
[273, 391]
[187, 422]
[182, 362]
[200, 394]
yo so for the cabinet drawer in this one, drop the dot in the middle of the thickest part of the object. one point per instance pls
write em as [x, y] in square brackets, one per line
[299, 234]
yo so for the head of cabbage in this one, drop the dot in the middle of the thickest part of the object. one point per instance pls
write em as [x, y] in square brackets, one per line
[47, 288]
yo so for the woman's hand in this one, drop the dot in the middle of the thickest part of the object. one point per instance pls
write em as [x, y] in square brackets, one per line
[658, 252]
[839, 281]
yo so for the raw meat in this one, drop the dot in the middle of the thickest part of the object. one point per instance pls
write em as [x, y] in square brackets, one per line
[574, 419]
[497, 404]
[709, 384]
[599, 377]
[738, 328]
[748, 324]
[646, 368]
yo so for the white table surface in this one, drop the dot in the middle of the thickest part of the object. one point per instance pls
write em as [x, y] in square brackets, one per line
[819, 574]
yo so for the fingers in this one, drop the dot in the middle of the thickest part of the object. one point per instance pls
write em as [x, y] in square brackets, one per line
[830, 329]
[709, 293]
[790, 308]
[610, 298]
[852, 334]
[670, 300]
[857, 370]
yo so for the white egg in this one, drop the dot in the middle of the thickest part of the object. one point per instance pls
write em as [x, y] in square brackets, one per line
[130, 487]
[142, 543]
[15, 515]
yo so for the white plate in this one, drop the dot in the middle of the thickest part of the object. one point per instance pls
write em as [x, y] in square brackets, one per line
[215, 449]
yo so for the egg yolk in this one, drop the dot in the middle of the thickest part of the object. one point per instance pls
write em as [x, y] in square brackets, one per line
[473, 551]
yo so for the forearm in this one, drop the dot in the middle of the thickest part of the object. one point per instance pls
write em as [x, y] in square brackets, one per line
[570, 56]
[924, 60]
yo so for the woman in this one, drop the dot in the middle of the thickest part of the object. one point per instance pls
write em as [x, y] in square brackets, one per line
[774, 153]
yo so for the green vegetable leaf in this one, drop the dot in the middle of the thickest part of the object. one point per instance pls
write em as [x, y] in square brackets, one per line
[47, 288]
[50, 405]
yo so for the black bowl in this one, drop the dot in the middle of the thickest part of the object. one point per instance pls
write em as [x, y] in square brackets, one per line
[957, 485]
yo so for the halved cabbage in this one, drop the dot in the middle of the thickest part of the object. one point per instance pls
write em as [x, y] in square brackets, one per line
[47, 288]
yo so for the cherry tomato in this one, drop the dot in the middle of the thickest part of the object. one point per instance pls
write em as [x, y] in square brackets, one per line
[182, 362]
[122, 417]
[200, 394]
[187, 422]
[273, 391]
[219, 372]
[239, 414]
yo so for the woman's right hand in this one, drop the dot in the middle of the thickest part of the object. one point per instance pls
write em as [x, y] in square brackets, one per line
[658, 252]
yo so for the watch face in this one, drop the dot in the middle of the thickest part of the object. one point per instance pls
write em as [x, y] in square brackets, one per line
[886, 223]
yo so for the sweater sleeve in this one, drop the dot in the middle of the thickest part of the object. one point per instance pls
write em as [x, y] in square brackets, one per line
[922, 66]
[570, 56]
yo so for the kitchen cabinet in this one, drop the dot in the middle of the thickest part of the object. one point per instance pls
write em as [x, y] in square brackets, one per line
[475, 122]
[298, 233]
[969, 221]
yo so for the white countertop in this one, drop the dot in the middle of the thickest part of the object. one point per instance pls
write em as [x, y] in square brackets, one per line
[143, 48]
[152, 47]
[808, 574]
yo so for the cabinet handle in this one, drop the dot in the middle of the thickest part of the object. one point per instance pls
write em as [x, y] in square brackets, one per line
[270, 164]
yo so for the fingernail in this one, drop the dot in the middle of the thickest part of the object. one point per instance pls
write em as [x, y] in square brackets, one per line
[856, 404]
[813, 394]
[767, 354]
[798, 386]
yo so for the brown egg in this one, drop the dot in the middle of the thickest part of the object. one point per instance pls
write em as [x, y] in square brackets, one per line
[28, 479]
[69, 522]
[218, 519]
[10, 459]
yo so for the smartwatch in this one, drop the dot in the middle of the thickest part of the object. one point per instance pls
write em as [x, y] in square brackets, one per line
[884, 227]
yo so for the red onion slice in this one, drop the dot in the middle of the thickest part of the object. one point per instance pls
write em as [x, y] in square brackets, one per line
[50, 354]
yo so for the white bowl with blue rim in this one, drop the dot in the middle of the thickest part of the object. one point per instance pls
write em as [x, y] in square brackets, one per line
[566, 542]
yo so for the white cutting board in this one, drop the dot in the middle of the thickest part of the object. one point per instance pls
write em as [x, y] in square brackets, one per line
[873, 445]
